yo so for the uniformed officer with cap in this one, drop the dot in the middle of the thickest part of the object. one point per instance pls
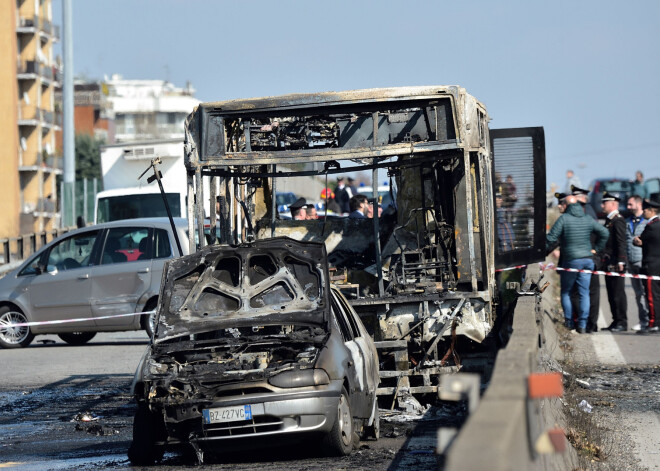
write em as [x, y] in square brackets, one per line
[581, 195]
[297, 208]
[650, 243]
[615, 259]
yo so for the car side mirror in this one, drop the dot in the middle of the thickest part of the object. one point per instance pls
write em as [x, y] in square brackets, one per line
[51, 269]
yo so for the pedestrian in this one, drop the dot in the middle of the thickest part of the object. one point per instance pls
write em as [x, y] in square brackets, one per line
[311, 212]
[615, 259]
[298, 211]
[359, 207]
[342, 196]
[635, 225]
[571, 180]
[331, 205]
[639, 187]
[649, 241]
[573, 232]
[594, 285]
[504, 229]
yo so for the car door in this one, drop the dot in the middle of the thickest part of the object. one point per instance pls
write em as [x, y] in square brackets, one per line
[122, 276]
[365, 344]
[352, 341]
[63, 290]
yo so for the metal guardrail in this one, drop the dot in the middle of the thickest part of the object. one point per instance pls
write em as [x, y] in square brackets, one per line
[17, 249]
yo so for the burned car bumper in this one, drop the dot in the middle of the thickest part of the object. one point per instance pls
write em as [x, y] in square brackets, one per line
[252, 415]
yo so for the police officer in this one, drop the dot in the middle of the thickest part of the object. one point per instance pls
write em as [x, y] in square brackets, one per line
[615, 259]
[650, 243]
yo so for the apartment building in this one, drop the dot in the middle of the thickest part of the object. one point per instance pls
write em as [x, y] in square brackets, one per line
[29, 76]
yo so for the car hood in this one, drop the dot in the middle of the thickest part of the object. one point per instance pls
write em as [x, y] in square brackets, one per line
[267, 282]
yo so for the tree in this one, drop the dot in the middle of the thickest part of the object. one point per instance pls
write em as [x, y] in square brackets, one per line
[88, 157]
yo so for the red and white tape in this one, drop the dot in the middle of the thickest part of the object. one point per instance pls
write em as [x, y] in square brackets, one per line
[65, 321]
[551, 266]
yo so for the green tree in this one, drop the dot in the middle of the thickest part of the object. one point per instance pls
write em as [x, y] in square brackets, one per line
[88, 157]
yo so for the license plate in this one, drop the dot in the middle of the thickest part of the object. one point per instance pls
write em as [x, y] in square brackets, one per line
[227, 414]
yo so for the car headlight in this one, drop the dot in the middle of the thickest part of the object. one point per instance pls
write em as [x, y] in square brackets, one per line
[156, 368]
[300, 378]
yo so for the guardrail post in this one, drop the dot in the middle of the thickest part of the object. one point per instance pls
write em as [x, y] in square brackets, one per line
[19, 248]
[33, 243]
[44, 236]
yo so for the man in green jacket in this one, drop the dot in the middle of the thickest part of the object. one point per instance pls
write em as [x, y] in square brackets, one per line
[573, 232]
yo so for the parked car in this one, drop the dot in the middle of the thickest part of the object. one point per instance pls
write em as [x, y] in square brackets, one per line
[283, 200]
[620, 188]
[252, 343]
[87, 277]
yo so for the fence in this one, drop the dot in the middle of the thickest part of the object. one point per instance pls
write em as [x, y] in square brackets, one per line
[77, 199]
[16, 249]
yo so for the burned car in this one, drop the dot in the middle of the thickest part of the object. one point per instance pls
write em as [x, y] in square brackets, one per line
[252, 341]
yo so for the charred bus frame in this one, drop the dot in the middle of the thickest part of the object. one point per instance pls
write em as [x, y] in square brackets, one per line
[429, 275]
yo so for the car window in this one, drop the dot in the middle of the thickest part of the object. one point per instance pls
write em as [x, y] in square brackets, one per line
[612, 186]
[73, 252]
[163, 245]
[126, 244]
[348, 312]
[29, 268]
[344, 325]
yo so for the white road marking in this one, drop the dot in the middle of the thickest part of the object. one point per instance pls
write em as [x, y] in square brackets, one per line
[606, 348]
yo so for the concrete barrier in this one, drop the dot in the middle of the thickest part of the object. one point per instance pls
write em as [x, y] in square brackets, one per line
[503, 432]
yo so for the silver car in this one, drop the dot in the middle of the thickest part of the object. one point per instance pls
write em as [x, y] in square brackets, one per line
[252, 343]
[89, 280]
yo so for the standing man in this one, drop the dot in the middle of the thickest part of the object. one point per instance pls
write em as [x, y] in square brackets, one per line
[594, 286]
[650, 243]
[639, 187]
[615, 259]
[573, 231]
[341, 196]
[359, 207]
[504, 229]
[635, 225]
[571, 180]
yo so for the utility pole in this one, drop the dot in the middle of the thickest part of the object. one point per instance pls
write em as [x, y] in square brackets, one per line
[68, 203]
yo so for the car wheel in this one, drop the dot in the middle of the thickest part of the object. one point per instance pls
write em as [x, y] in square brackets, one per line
[147, 429]
[14, 337]
[340, 440]
[77, 338]
[149, 322]
[373, 431]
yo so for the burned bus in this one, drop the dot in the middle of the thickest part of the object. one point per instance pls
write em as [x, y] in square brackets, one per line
[422, 276]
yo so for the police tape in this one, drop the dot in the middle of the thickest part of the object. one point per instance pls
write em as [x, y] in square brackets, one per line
[552, 266]
[8, 325]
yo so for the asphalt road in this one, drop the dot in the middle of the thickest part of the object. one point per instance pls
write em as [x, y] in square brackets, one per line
[622, 376]
[70, 408]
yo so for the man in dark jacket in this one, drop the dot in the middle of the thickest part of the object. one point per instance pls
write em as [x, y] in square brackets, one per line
[573, 231]
[359, 207]
[615, 259]
[650, 243]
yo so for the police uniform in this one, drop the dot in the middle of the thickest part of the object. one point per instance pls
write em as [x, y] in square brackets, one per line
[616, 251]
[651, 263]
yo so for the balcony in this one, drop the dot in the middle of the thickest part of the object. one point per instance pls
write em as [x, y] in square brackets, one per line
[34, 24]
[32, 70]
[29, 115]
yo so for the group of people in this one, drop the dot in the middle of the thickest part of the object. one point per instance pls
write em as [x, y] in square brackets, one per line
[359, 205]
[622, 245]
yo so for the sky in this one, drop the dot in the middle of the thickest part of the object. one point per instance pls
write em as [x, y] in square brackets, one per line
[587, 71]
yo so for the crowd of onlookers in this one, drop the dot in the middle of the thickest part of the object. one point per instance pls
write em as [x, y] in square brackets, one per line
[624, 245]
